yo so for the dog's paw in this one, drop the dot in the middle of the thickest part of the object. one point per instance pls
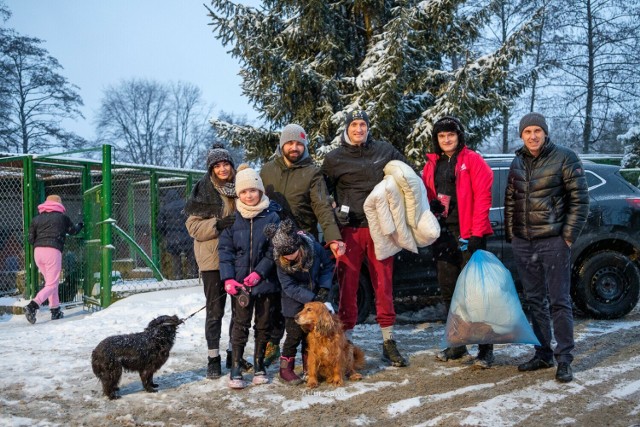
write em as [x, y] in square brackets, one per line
[355, 377]
[312, 383]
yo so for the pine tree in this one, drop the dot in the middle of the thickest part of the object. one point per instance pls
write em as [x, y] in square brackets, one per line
[406, 62]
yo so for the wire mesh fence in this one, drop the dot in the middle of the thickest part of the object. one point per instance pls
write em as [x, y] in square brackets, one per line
[150, 247]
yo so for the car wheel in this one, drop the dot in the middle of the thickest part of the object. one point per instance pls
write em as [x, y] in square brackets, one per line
[607, 285]
[365, 297]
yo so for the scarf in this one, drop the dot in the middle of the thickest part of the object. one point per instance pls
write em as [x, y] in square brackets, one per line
[206, 200]
[249, 212]
[228, 189]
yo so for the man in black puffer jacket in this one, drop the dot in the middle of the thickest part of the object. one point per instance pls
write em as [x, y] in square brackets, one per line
[545, 208]
[352, 170]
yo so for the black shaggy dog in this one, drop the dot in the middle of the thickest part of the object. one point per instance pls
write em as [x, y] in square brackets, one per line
[143, 352]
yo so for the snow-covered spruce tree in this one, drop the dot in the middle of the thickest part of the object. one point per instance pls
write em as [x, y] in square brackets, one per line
[407, 62]
[631, 143]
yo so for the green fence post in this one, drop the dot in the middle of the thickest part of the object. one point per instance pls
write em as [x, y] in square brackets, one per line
[105, 232]
[86, 233]
[29, 202]
[153, 190]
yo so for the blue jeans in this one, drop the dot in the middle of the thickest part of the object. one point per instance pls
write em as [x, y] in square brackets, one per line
[544, 266]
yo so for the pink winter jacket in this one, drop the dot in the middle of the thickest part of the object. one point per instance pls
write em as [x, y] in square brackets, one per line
[474, 179]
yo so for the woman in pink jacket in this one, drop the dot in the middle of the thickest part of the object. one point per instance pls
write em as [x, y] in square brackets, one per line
[47, 233]
[458, 182]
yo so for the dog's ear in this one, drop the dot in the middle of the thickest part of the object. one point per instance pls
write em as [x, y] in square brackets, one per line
[325, 325]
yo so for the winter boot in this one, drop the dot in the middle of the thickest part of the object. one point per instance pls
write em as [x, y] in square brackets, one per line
[452, 353]
[214, 370]
[271, 354]
[391, 354]
[286, 370]
[235, 376]
[56, 313]
[259, 370]
[244, 364]
[30, 311]
[485, 358]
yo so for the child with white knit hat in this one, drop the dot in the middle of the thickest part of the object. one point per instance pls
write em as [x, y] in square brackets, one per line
[248, 271]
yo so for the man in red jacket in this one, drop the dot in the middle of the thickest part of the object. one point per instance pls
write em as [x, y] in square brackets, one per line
[458, 182]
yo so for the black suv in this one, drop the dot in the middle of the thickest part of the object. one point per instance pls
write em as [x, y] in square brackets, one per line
[606, 263]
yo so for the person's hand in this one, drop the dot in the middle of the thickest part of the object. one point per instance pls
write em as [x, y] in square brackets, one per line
[474, 244]
[330, 307]
[322, 295]
[436, 207]
[252, 279]
[231, 286]
[342, 217]
[225, 222]
[338, 248]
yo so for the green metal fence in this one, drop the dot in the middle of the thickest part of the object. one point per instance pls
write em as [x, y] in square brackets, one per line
[134, 237]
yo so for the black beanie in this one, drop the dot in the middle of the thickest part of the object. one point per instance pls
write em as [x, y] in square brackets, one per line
[533, 119]
[285, 237]
[447, 124]
[356, 115]
[216, 154]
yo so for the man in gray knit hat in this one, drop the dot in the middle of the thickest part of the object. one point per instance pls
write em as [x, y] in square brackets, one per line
[545, 208]
[293, 181]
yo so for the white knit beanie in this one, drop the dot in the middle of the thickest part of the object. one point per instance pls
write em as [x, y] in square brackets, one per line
[247, 178]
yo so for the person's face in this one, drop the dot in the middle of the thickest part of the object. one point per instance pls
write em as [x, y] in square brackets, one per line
[293, 150]
[222, 170]
[533, 138]
[448, 142]
[250, 196]
[357, 131]
[293, 256]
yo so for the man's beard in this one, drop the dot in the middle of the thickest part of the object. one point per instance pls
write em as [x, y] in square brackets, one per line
[295, 159]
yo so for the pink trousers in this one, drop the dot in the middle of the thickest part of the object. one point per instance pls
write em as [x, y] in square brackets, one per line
[49, 262]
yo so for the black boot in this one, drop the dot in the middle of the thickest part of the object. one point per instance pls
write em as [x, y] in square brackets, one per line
[244, 364]
[214, 371]
[229, 361]
[259, 370]
[235, 376]
[484, 359]
[56, 313]
[30, 311]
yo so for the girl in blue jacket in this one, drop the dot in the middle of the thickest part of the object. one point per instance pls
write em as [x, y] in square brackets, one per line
[305, 272]
[248, 272]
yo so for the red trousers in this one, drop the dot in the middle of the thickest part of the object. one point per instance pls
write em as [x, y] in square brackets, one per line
[359, 244]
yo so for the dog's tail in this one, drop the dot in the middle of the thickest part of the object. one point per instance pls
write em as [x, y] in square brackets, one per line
[358, 358]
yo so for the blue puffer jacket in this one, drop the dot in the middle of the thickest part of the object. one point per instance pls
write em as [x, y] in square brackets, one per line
[244, 248]
[299, 286]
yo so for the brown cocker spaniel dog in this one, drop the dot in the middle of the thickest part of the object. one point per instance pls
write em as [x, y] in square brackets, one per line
[330, 355]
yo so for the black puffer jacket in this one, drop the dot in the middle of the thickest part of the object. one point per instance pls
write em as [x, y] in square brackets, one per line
[546, 196]
[353, 170]
[50, 229]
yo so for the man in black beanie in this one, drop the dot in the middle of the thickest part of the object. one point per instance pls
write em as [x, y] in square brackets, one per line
[352, 170]
[545, 208]
[458, 183]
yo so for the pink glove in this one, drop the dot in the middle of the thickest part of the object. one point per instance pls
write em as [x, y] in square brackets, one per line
[231, 286]
[252, 279]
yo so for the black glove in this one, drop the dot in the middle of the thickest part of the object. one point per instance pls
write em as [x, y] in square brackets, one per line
[342, 218]
[322, 295]
[474, 244]
[436, 206]
[225, 222]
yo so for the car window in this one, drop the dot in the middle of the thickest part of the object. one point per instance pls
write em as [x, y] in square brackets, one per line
[594, 180]
[499, 184]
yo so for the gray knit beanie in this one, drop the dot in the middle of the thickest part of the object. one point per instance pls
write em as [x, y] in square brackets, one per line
[285, 237]
[247, 178]
[293, 132]
[216, 154]
[533, 119]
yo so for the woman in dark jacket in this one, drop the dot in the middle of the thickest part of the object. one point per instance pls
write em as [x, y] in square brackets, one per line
[47, 233]
[247, 269]
[305, 272]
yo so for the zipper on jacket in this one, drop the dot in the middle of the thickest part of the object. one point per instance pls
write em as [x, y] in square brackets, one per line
[250, 248]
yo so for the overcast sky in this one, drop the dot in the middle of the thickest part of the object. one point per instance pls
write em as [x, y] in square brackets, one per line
[100, 43]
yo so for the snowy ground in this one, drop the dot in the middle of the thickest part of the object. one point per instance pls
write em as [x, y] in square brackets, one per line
[47, 378]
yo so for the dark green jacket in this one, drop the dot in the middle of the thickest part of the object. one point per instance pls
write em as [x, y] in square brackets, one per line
[302, 192]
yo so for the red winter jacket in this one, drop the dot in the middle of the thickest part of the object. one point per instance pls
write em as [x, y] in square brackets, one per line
[474, 178]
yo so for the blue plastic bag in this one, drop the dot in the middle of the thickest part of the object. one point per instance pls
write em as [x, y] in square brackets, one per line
[485, 308]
